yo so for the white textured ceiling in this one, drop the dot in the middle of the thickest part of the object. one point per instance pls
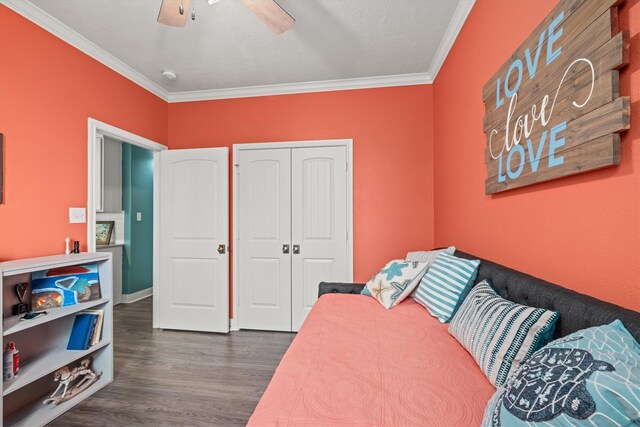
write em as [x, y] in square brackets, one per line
[228, 47]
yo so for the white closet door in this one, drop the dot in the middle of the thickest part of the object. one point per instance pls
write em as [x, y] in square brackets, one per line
[265, 227]
[194, 230]
[318, 223]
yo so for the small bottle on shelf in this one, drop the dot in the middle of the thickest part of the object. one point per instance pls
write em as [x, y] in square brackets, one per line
[10, 362]
[16, 359]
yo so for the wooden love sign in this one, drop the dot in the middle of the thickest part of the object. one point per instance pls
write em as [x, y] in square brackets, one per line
[554, 108]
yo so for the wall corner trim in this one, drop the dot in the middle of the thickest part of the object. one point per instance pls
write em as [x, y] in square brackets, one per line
[303, 87]
[457, 21]
[137, 296]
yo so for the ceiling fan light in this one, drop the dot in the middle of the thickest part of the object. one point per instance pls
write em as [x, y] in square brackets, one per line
[213, 1]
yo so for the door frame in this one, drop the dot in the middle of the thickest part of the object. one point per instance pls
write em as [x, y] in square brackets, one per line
[96, 127]
[235, 247]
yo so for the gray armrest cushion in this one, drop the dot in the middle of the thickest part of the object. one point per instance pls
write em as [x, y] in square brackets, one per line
[339, 288]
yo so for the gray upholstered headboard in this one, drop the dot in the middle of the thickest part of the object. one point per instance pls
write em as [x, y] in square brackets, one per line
[577, 311]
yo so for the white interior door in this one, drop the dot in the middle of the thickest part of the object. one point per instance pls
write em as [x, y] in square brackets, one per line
[318, 224]
[194, 223]
[264, 230]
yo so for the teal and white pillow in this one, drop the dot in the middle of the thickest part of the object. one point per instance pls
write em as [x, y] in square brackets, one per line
[447, 282]
[499, 333]
[427, 256]
[590, 378]
[395, 282]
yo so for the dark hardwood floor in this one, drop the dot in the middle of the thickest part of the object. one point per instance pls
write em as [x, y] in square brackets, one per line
[180, 378]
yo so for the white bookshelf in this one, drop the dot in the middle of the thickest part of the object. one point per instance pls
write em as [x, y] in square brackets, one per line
[43, 341]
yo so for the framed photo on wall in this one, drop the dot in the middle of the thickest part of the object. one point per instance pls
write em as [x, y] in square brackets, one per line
[103, 232]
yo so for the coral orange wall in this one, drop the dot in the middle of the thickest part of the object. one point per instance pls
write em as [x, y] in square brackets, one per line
[392, 132]
[583, 231]
[48, 90]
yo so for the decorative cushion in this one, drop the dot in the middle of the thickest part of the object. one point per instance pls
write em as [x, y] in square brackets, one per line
[591, 377]
[395, 282]
[445, 285]
[498, 333]
[428, 256]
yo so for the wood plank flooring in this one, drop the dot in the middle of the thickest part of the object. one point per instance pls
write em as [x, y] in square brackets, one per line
[180, 378]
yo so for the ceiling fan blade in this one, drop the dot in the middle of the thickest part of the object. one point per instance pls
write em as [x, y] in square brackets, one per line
[170, 12]
[274, 17]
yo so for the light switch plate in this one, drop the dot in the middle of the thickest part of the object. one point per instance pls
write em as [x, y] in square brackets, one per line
[77, 215]
[138, 216]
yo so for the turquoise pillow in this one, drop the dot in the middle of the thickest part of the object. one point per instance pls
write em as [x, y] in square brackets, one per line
[446, 284]
[590, 378]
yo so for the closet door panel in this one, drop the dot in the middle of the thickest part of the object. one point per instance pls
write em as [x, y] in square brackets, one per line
[265, 226]
[318, 223]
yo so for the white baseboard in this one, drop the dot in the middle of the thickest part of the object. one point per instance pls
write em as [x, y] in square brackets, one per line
[137, 296]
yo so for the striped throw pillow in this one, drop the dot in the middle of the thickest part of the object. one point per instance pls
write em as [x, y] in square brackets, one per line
[498, 333]
[445, 285]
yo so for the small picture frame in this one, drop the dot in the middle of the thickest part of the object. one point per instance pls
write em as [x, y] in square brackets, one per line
[103, 232]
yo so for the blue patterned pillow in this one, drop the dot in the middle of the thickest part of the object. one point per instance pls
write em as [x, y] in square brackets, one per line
[499, 333]
[394, 282]
[590, 378]
[445, 285]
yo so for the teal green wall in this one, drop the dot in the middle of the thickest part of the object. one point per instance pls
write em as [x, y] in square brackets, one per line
[137, 196]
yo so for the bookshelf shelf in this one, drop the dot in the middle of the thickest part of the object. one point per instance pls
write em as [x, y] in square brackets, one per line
[46, 363]
[43, 341]
[13, 324]
[40, 414]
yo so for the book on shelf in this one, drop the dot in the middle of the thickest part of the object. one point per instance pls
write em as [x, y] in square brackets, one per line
[96, 335]
[86, 330]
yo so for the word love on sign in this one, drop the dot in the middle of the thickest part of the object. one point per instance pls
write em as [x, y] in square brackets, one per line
[554, 108]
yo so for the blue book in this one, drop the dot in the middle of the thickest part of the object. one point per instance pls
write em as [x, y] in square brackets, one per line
[81, 332]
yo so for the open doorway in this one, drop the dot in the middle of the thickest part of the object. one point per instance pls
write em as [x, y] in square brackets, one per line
[123, 189]
[124, 217]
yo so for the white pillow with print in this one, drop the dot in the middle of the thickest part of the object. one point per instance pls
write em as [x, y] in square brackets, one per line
[395, 281]
[428, 256]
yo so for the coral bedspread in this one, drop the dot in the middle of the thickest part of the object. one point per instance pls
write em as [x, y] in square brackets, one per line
[355, 363]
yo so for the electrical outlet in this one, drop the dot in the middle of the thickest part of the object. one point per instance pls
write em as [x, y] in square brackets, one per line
[138, 216]
[77, 215]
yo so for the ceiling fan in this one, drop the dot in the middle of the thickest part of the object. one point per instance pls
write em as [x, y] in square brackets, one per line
[174, 13]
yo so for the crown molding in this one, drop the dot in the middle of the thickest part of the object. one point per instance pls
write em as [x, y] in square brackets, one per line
[457, 21]
[60, 30]
[304, 87]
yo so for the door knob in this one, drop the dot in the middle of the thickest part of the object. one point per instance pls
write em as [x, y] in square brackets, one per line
[285, 249]
[296, 249]
[222, 249]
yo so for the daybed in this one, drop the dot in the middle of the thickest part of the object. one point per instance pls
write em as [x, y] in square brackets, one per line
[355, 363]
